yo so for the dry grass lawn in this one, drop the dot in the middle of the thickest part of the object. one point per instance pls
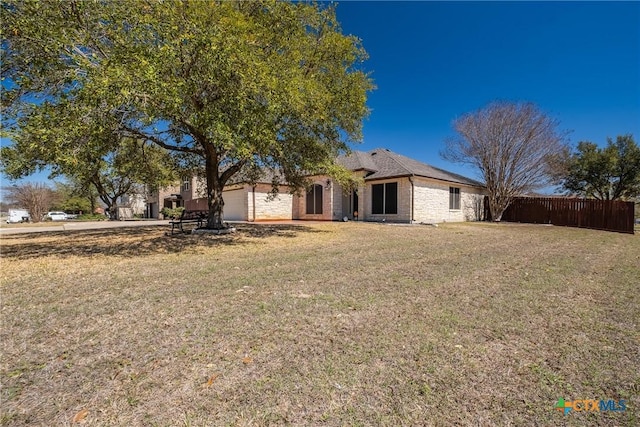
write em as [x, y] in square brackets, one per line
[332, 324]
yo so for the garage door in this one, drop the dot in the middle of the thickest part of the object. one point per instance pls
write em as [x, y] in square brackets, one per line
[235, 205]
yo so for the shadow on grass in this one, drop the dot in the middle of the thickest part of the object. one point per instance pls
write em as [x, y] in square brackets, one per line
[135, 241]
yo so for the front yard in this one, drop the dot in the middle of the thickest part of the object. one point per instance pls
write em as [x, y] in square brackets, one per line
[331, 324]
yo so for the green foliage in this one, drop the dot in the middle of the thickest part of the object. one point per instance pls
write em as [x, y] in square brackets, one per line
[228, 84]
[172, 213]
[608, 173]
[73, 204]
[70, 200]
[84, 144]
[92, 217]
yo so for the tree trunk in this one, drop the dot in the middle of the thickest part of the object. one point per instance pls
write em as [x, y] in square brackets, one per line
[215, 203]
[92, 203]
[113, 209]
[496, 213]
[497, 208]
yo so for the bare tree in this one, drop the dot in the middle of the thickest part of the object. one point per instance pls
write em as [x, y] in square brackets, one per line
[36, 198]
[510, 145]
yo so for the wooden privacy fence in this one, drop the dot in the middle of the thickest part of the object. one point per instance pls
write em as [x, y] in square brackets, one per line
[196, 204]
[609, 215]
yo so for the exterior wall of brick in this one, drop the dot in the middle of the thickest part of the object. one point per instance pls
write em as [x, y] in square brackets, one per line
[239, 203]
[331, 201]
[431, 200]
[336, 201]
[156, 200]
[472, 201]
[268, 207]
[197, 188]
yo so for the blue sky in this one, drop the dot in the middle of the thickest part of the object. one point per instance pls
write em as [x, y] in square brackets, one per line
[434, 61]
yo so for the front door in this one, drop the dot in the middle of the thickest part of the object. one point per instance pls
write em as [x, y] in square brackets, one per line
[355, 211]
[350, 205]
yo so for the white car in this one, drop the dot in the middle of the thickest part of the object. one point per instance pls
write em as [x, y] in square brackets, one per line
[56, 216]
[18, 215]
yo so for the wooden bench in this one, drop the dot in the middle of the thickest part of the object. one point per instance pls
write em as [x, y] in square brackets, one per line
[188, 217]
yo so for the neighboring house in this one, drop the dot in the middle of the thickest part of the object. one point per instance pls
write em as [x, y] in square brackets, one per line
[166, 197]
[132, 205]
[395, 188]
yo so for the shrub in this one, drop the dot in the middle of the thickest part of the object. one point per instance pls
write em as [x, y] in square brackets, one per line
[92, 217]
[172, 213]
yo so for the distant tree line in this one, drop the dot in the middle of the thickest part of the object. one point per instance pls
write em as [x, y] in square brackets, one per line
[40, 198]
[606, 173]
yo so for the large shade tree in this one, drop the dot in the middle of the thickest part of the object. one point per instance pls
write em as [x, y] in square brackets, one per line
[85, 146]
[605, 173]
[236, 85]
[510, 145]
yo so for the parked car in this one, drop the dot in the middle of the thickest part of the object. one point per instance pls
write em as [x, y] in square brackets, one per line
[18, 215]
[56, 216]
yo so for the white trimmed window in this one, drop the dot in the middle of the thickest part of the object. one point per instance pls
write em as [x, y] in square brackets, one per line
[454, 198]
[186, 183]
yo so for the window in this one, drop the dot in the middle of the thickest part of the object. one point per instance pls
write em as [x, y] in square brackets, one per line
[314, 200]
[186, 183]
[454, 198]
[384, 198]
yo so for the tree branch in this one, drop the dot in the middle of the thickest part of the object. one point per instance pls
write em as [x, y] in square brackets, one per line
[232, 170]
[160, 142]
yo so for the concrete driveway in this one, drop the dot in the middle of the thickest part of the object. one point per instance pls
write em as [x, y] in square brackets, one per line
[80, 225]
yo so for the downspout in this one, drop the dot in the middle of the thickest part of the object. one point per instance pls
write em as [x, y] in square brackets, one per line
[253, 197]
[412, 199]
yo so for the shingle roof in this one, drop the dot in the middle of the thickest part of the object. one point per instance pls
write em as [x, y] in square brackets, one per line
[387, 164]
[358, 160]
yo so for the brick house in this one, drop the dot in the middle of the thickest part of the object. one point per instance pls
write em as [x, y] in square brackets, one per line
[394, 188]
[166, 197]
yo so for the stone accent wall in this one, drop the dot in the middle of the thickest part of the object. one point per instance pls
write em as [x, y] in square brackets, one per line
[431, 199]
[472, 201]
[269, 208]
[239, 203]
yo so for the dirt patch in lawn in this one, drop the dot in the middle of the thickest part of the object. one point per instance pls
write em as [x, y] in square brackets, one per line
[331, 324]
